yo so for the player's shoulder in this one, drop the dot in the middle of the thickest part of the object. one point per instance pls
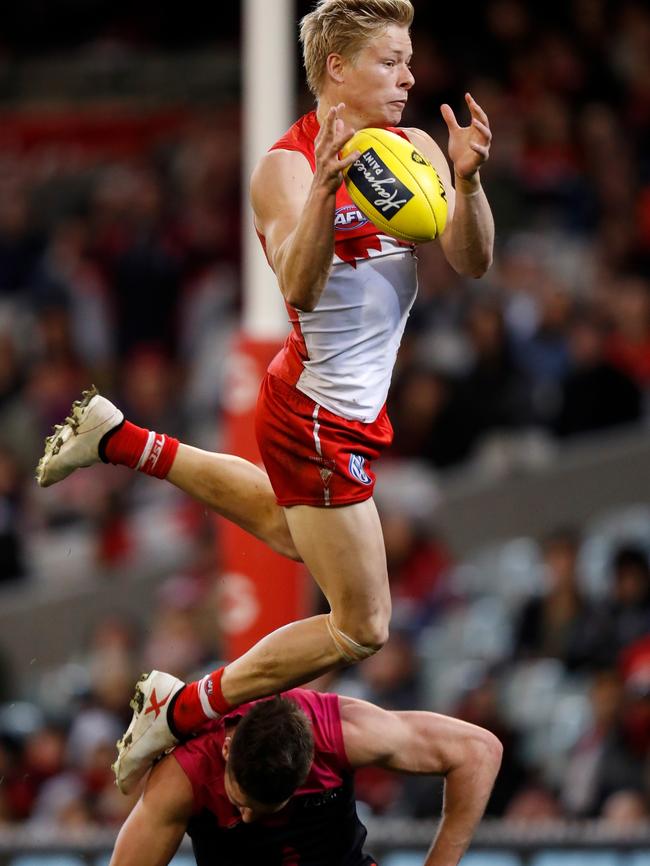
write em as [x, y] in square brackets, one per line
[322, 708]
[312, 699]
[170, 787]
[281, 159]
[300, 136]
[429, 148]
[280, 176]
[419, 137]
[295, 147]
[204, 749]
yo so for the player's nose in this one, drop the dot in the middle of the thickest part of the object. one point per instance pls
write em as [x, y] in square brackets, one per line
[247, 815]
[408, 79]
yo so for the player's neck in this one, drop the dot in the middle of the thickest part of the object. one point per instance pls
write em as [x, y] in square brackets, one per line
[351, 119]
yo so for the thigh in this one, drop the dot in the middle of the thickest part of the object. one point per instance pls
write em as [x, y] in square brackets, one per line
[344, 550]
[237, 490]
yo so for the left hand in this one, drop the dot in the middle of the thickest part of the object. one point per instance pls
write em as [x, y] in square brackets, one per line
[469, 146]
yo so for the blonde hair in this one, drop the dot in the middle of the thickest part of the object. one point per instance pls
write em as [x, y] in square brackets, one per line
[344, 27]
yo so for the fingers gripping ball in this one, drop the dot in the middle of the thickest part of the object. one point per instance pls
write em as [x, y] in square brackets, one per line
[395, 186]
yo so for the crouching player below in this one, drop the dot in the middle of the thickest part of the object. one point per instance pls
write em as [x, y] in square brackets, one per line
[272, 783]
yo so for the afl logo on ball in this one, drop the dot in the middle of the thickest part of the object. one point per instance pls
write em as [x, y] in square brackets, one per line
[356, 469]
[349, 217]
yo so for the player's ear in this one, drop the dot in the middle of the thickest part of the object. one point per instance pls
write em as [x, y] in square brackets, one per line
[225, 749]
[335, 65]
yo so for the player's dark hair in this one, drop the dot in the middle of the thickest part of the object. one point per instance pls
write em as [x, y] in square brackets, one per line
[272, 750]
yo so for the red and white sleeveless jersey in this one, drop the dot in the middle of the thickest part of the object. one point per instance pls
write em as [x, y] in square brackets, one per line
[342, 354]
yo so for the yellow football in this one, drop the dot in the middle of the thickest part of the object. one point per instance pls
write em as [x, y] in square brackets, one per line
[395, 186]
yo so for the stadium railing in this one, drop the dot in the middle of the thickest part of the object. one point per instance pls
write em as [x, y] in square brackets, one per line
[394, 841]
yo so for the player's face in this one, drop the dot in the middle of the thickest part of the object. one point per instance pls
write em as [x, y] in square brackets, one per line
[379, 78]
[249, 809]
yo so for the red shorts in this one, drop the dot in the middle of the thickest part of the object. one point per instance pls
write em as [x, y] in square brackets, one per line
[312, 456]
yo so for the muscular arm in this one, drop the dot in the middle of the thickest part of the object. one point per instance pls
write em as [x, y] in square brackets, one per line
[467, 756]
[296, 216]
[294, 210]
[151, 834]
[468, 239]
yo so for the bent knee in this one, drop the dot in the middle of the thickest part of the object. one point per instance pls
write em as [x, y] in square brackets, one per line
[370, 632]
[371, 636]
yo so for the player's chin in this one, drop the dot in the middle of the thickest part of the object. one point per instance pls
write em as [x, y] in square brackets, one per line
[389, 114]
[395, 110]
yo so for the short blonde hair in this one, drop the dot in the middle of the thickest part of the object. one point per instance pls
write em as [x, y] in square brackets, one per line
[345, 27]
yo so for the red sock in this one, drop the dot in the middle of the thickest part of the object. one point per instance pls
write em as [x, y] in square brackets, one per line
[199, 702]
[144, 450]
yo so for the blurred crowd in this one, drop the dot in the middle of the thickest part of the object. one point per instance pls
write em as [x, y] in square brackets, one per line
[557, 336]
[120, 265]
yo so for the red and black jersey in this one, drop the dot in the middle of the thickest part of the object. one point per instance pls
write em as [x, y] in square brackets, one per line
[318, 827]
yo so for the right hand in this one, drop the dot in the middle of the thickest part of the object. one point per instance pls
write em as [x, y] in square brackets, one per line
[331, 137]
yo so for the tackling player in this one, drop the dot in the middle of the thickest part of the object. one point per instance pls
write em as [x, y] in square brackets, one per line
[273, 783]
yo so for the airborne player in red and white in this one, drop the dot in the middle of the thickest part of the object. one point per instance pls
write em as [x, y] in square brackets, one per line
[321, 418]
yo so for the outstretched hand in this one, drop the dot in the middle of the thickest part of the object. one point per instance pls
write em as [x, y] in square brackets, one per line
[469, 146]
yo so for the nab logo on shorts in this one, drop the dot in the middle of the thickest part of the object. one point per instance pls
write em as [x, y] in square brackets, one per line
[349, 217]
[355, 467]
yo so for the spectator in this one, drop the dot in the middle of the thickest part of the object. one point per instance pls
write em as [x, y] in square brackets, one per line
[417, 566]
[634, 664]
[429, 419]
[553, 625]
[534, 805]
[624, 615]
[494, 392]
[12, 564]
[595, 395]
[625, 810]
[628, 347]
[601, 762]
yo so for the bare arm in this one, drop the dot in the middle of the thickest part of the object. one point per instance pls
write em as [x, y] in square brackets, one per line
[467, 756]
[468, 239]
[294, 210]
[151, 834]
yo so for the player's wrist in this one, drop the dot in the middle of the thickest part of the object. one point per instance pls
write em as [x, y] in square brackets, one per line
[468, 186]
[325, 187]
